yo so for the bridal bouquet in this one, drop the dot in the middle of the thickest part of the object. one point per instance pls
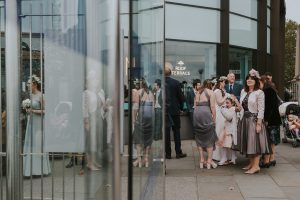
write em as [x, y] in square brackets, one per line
[26, 104]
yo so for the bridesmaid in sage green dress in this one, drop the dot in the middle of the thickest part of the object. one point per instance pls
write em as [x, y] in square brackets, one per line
[33, 136]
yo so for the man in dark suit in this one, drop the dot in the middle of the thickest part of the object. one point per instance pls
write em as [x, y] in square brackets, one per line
[157, 135]
[174, 104]
[232, 87]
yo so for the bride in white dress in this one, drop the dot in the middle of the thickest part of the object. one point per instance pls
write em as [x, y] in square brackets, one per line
[221, 96]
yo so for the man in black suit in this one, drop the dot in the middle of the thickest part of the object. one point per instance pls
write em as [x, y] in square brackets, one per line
[157, 135]
[174, 104]
[232, 87]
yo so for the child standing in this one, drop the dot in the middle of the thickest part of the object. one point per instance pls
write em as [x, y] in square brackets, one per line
[229, 136]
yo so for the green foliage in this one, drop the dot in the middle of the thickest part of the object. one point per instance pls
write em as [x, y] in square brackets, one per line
[290, 49]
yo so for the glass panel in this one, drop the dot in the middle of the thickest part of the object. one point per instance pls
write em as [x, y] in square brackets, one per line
[268, 40]
[245, 7]
[68, 102]
[269, 17]
[2, 103]
[191, 61]
[206, 3]
[240, 62]
[145, 102]
[243, 32]
[194, 29]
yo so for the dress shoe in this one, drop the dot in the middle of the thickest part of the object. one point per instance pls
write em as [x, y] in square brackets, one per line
[273, 163]
[264, 165]
[70, 164]
[168, 157]
[181, 155]
[251, 171]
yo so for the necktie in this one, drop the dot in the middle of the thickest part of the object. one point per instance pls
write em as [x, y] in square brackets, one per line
[230, 89]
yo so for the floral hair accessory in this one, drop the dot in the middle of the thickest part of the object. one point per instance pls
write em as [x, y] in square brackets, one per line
[214, 81]
[223, 78]
[35, 78]
[254, 73]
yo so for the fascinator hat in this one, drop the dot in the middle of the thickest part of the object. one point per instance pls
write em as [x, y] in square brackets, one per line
[254, 73]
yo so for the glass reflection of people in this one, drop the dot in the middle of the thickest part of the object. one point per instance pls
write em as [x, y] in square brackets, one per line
[93, 113]
[135, 101]
[174, 104]
[33, 137]
[143, 131]
[158, 110]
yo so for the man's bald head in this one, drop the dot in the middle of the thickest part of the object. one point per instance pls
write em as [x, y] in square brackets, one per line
[168, 69]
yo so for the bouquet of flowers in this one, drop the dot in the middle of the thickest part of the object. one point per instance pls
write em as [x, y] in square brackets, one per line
[26, 104]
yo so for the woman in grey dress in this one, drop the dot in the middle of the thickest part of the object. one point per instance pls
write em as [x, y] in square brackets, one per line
[204, 125]
[144, 125]
[33, 137]
[251, 129]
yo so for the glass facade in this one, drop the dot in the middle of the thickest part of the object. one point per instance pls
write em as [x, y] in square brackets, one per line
[177, 28]
[204, 3]
[243, 32]
[82, 85]
[246, 7]
[240, 62]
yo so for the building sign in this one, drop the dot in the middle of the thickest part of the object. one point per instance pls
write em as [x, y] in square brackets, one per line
[180, 70]
[235, 71]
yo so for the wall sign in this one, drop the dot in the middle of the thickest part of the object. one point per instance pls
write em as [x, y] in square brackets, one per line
[180, 70]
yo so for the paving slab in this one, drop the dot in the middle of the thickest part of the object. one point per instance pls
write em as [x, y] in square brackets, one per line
[181, 188]
[221, 187]
[258, 186]
[286, 179]
[293, 193]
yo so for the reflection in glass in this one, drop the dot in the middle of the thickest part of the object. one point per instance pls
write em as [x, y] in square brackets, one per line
[70, 45]
[146, 177]
[35, 161]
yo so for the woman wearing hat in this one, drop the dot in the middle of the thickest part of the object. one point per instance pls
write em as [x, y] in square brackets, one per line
[253, 139]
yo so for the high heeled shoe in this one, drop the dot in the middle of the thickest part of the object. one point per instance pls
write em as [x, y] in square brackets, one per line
[247, 167]
[273, 163]
[146, 162]
[264, 165]
[137, 163]
[252, 171]
[201, 165]
[211, 165]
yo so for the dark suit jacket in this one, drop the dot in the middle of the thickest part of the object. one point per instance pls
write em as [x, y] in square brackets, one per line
[190, 98]
[237, 88]
[174, 96]
[271, 107]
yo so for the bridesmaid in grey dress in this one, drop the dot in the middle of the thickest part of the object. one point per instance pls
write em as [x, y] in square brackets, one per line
[204, 125]
[33, 136]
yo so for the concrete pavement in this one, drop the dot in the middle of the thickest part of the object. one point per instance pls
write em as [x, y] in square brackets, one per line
[186, 181]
